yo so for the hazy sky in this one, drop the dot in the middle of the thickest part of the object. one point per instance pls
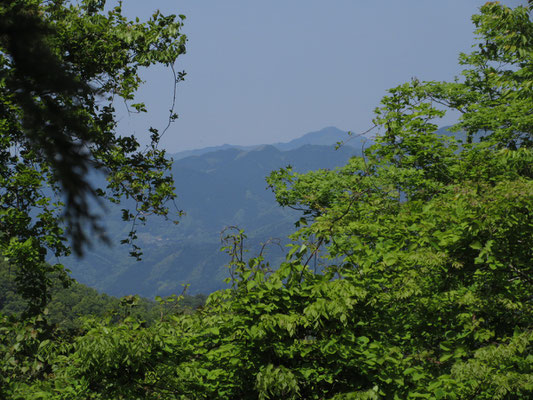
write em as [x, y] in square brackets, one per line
[269, 71]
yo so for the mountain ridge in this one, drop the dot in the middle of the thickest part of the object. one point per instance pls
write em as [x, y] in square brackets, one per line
[327, 136]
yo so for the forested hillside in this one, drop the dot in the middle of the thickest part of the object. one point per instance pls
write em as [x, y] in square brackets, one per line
[409, 270]
[69, 306]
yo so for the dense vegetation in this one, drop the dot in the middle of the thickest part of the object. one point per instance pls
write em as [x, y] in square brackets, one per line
[63, 67]
[409, 275]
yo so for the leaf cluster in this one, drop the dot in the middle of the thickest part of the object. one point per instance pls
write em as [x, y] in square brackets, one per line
[63, 67]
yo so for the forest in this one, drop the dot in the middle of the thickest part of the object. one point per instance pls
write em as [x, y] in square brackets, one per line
[408, 276]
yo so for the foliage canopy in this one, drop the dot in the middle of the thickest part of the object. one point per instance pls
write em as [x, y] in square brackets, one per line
[63, 67]
[409, 277]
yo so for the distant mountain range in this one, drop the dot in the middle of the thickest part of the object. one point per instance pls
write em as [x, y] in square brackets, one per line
[217, 187]
[325, 137]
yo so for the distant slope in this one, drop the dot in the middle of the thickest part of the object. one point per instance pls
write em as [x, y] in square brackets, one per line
[215, 189]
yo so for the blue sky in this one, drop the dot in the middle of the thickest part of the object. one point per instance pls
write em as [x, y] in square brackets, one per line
[270, 71]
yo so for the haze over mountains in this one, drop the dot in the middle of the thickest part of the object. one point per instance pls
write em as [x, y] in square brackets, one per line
[217, 187]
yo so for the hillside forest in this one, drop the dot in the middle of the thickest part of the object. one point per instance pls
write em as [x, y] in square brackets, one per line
[408, 274]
